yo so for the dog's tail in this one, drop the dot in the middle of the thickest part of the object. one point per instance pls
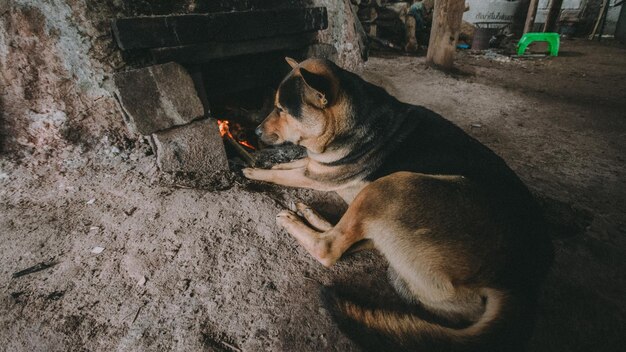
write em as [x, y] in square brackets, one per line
[408, 332]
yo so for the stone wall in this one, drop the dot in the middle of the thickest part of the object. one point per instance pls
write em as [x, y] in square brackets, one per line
[57, 58]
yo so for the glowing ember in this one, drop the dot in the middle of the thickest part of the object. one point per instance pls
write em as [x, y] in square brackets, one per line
[247, 144]
[225, 131]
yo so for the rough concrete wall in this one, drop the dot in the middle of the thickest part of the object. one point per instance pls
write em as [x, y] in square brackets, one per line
[55, 57]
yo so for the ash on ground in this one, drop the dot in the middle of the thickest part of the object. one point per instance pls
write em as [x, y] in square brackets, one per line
[266, 158]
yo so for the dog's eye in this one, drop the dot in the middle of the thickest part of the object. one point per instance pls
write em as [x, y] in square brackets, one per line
[279, 109]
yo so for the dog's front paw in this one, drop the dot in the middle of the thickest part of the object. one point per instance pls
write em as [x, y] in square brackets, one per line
[252, 173]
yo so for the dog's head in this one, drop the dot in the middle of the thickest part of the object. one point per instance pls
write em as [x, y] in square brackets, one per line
[305, 106]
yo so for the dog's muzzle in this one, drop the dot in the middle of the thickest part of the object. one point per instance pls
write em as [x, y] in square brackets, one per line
[267, 138]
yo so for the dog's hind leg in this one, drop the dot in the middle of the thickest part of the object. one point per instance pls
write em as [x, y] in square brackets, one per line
[362, 245]
[401, 286]
[328, 246]
[313, 218]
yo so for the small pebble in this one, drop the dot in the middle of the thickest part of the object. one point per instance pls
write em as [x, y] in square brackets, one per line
[142, 281]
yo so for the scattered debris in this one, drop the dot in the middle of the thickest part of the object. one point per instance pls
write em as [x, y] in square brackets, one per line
[136, 315]
[17, 296]
[495, 56]
[218, 343]
[33, 269]
[385, 43]
[130, 211]
[529, 56]
[56, 295]
[142, 281]
[234, 348]
[138, 311]
[477, 125]
[97, 250]
[91, 201]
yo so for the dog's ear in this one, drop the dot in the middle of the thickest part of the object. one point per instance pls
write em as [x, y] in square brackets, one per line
[317, 89]
[293, 63]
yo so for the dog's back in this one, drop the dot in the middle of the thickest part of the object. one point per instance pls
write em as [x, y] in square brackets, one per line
[418, 140]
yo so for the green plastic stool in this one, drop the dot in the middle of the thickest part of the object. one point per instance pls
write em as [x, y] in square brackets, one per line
[552, 39]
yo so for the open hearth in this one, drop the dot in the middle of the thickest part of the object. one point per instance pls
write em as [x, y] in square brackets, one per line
[209, 70]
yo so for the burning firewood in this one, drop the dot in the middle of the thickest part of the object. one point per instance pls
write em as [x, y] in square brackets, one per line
[237, 145]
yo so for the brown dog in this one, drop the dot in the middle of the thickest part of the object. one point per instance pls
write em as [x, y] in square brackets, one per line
[462, 234]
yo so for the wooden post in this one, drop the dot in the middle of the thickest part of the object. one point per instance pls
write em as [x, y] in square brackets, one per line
[530, 17]
[554, 12]
[605, 3]
[605, 11]
[444, 34]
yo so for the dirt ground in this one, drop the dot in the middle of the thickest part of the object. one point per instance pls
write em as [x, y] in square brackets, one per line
[186, 269]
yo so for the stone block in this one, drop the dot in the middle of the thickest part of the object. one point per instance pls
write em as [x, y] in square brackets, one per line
[193, 148]
[157, 98]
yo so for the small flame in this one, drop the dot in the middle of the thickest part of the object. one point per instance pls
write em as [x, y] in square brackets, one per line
[223, 124]
[225, 131]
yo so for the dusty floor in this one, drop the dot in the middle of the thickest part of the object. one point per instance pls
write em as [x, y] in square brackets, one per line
[186, 269]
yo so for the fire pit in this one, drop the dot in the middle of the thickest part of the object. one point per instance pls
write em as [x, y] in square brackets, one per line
[217, 69]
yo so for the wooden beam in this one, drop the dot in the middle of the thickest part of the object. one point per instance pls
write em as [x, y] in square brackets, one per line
[605, 3]
[447, 18]
[554, 12]
[530, 17]
[604, 14]
[180, 30]
[202, 53]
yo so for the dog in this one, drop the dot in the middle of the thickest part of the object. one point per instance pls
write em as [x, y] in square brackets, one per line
[463, 236]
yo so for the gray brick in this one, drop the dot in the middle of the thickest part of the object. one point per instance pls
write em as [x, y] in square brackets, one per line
[157, 98]
[196, 147]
